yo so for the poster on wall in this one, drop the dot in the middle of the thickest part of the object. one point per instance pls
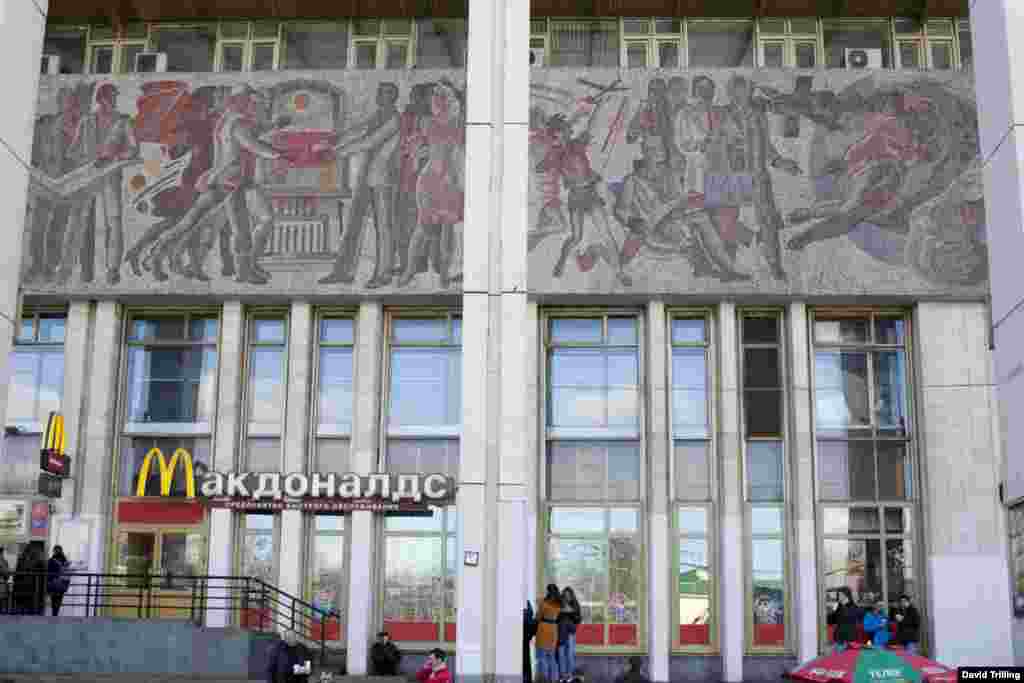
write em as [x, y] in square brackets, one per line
[40, 519]
[12, 519]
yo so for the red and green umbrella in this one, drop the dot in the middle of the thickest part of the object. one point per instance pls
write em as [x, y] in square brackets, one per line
[873, 665]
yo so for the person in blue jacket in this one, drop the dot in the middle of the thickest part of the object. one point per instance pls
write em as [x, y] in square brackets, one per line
[876, 625]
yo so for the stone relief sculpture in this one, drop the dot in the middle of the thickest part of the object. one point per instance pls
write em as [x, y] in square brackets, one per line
[647, 181]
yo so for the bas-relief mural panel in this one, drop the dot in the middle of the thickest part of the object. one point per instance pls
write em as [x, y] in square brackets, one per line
[328, 183]
[766, 182]
[278, 183]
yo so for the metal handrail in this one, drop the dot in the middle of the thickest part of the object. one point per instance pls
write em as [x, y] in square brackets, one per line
[260, 606]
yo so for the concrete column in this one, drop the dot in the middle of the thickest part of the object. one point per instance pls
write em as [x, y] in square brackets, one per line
[100, 446]
[964, 523]
[731, 585]
[220, 560]
[534, 444]
[660, 565]
[77, 345]
[22, 23]
[800, 505]
[296, 436]
[361, 615]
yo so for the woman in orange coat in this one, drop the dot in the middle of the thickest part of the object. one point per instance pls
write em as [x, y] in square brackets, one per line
[547, 634]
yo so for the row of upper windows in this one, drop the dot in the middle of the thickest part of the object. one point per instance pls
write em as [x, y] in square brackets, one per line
[668, 43]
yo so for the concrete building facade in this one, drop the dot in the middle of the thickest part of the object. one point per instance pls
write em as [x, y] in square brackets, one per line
[697, 313]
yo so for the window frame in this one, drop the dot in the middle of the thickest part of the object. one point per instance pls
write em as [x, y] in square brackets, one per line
[240, 535]
[711, 505]
[309, 549]
[450, 314]
[912, 502]
[36, 314]
[789, 39]
[381, 41]
[785, 504]
[549, 435]
[250, 344]
[653, 40]
[315, 435]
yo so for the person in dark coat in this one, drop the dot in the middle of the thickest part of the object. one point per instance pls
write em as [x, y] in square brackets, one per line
[30, 580]
[57, 582]
[568, 619]
[634, 673]
[285, 657]
[529, 631]
[846, 617]
[385, 656]
[908, 625]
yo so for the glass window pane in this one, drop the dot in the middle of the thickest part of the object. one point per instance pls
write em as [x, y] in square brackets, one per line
[582, 564]
[905, 25]
[327, 567]
[262, 56]
[234, 29]
[771, 55]
[366, 27]
[188, 50]
[865, 43]
[133, 457]
[667, 25]
[765, 521]
[966, 47]
[772, 26]
[803, 25]
[898, 521]
[36, 386]
[441, 43]
[268, 331]
[636, 26]
[203, 329]
[761, 369]
[314, 46]
[890, 330]
[232, 57]
[336, 398]
[423, 456]
[853, 564]
[585, 43]
[27, 330]
[417, 523]
[720, 44]
[910, 55]
[623, 521]
[764, 470]
[332, 455]
[168, 385]
[942, 56]
[102, 60]
[181, 555]
[899, 570]
[762, 410]
[693, 521]
[265, 29]
[760, 330]
[577, 471]
[694, 592]
[893, 471]
[419, 330]
[158, 329]
[841, 331]
[337, 331]
[842, 521]
[806, 55]
[693, 470]
[366, 55]
[768, 588]
[623, 471]
[668, 55]
[846, 470]
[266, 389]
[623, 368]
[573, 521]
[622, 331]
[626, 582]
[576, 330]
[413, 583]
[840, 390]
[69, 45]
[457, 330]
[636, 55]
[426, 387]
[890, 392]
[19, 466]
[688, 330]
[128, 55]
[263, 454]
[397, 55]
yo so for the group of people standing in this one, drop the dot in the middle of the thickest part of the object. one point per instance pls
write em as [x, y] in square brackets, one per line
[555, 627]
[33, 580]
[857, 624]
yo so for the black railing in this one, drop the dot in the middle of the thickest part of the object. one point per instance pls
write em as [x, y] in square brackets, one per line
[252, 603]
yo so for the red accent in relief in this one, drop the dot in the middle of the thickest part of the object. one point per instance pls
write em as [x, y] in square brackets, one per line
[159, 512]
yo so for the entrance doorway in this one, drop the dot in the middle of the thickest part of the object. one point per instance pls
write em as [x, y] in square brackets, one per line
[158, 565]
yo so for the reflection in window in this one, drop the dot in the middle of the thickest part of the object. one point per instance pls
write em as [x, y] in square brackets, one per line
[308, 45]
[36, 373]
[720, 44]
[420, 572]
[585, 43]
[335, 394]
[188, 49]
[259, 547]
[694, 577]
[267, 359]
[327, 577]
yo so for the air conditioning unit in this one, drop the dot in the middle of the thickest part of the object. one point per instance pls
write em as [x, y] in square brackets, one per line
[151, 62]
[538, 56]
[863, 58]
[50, 65]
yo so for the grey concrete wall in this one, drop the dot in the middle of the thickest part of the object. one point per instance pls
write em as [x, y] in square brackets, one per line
[78, 645]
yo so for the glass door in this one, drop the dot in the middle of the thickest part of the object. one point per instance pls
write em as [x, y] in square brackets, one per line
[159, 566]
